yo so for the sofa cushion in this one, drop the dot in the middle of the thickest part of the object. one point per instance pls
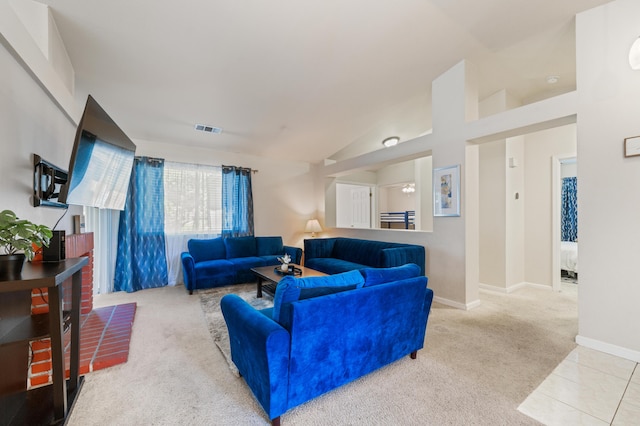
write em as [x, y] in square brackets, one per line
[244, 263]
[212, 268]
[266, 246]
[289, 289]
[374, 276]
[240, 247]
[330, 265]
[210, 249]
[271, 259]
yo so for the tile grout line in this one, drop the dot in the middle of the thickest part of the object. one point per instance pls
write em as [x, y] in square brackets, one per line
[623, 394]
[553, 373]
[83, 321]
[104, 331]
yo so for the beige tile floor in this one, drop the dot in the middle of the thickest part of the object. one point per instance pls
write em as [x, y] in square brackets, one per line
[588, 388]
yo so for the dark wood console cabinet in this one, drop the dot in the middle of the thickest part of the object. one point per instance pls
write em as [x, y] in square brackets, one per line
[49, 404]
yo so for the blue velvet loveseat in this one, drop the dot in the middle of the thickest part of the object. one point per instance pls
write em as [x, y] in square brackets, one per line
[323, 332]
[335, 255]
[222, 261]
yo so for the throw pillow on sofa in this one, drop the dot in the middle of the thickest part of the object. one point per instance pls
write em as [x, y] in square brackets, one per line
[375, 276]
[269, 246]
[289, 290]
[202, 250]
[240, 247]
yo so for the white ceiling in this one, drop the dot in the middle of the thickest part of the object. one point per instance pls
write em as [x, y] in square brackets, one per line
[306, 78]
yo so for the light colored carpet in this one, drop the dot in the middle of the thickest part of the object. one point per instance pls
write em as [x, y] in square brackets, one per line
[476, 368]
[210, 303]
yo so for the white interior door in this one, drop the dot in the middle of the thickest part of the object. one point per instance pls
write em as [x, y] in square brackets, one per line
[353, 206]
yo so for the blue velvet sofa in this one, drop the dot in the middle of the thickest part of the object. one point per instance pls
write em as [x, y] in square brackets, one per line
[335, 255]
[324, 332]
[222, 261]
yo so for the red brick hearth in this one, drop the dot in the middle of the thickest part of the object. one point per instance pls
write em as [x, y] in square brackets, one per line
[105, 333]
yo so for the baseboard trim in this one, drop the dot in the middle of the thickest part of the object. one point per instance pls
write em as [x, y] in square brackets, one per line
[487, 287]
[493, 288]
[504, 290]
[608, 348]
[511, 289]
[539, 286]
[457, 305]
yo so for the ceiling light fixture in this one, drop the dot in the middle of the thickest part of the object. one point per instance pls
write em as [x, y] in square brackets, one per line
[553, 79]
[409, 188]
[634, 55]
[208, 129]
[391, 141]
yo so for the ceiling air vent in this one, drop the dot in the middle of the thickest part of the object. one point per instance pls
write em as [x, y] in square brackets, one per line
[208, 129]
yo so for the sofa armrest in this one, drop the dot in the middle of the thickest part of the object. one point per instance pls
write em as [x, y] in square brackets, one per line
[188, 271]
[295, 253]
[398, 256]
[260, 350]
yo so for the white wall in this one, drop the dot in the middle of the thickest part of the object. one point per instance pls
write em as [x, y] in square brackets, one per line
[609, 200]
[497, 102]
[30, 122]
[424, 191]
[516, 233]
[515, 213]
[493, 214]
[398, 201]
[539, 148]
[569, 169]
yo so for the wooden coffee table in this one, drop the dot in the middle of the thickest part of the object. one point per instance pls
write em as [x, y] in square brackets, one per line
[272, 278]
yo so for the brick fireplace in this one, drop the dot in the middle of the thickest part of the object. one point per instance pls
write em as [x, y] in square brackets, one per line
[76, 245]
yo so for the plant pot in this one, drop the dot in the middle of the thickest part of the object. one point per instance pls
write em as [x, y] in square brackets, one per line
[11, 265]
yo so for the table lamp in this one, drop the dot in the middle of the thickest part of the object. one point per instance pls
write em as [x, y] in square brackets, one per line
[313, 226]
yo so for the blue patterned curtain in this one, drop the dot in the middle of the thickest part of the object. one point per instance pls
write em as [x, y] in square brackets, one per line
[141, 260]
[569, 209]
[237, 202]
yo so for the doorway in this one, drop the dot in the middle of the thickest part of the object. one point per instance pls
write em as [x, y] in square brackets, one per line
[565, 241]
[353, 206]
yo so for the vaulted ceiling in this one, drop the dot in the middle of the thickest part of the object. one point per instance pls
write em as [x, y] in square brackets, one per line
[306, 78]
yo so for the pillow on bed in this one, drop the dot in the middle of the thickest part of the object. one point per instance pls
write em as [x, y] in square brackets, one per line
[289, 290]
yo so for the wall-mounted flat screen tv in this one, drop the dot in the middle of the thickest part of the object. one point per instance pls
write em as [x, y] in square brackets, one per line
[101, 162]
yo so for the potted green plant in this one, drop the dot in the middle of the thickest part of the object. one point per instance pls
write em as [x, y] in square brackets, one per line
[20, 239]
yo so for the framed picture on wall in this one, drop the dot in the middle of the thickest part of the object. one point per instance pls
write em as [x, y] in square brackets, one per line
[446, 191]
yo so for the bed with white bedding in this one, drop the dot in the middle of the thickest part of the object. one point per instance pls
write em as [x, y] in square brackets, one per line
[569, 256]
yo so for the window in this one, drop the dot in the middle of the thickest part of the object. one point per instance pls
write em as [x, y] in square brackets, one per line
[192, 199]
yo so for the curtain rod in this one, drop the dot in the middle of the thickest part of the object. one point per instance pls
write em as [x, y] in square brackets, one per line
[196, 164]
[243, 168]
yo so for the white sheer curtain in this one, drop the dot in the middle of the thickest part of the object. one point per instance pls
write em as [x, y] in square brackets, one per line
[193, 209]
[104, 225]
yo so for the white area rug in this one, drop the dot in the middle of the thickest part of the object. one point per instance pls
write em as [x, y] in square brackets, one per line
[210, 303]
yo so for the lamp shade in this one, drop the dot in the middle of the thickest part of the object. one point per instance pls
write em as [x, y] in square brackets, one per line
[313, 226]
[634, 55]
